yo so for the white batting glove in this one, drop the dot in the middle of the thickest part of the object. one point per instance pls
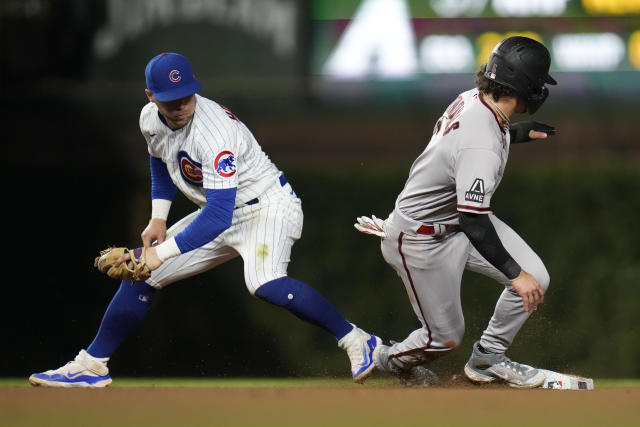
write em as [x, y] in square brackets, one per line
[371, 225]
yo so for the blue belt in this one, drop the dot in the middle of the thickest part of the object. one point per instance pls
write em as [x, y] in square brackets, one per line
[283, 182]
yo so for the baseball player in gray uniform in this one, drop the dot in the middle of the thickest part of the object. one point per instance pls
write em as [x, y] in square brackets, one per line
[442, 223]
[246, 207]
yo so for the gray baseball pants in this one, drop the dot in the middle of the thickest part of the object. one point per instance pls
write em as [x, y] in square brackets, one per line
[431, 267]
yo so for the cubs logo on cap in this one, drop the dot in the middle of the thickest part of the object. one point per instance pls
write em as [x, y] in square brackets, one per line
[225, 164]
[169, 77]
[174, 76]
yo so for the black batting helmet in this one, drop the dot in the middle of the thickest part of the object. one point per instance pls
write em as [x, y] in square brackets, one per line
[522, 64]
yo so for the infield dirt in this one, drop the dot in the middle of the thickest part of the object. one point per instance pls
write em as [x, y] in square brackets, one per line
[455, 403]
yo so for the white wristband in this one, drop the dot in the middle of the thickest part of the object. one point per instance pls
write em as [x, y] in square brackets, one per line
[167, 249]
[160, 208]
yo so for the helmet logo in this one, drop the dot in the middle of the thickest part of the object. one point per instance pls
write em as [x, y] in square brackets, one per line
[492, 74]
[174, 76]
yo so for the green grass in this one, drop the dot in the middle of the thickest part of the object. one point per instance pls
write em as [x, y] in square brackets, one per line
[277, 382]
[617, 382]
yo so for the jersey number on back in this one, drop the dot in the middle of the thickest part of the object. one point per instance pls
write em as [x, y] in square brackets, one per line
[451, 115]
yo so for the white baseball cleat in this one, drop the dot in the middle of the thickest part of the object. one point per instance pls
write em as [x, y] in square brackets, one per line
[489, 367]
[359, 346]
[84, 371]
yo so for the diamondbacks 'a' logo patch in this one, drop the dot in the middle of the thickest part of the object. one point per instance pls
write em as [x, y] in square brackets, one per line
[476, 192]
[190, 170]
[225, 164]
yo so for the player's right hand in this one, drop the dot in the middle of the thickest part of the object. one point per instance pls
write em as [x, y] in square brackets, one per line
[154, 233]
[529, 130]
[529, 289]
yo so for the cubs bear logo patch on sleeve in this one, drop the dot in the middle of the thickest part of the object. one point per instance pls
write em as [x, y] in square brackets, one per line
[225, 164]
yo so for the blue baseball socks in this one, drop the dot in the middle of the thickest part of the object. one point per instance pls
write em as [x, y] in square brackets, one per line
[306, 303]
[126, 312]
[129, 306]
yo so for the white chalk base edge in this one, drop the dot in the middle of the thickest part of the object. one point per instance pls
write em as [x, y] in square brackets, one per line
[558, 381]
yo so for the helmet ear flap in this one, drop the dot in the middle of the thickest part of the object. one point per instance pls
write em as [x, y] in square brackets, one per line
[534, 101]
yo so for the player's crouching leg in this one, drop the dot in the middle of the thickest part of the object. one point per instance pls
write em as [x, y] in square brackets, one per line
[309, 305]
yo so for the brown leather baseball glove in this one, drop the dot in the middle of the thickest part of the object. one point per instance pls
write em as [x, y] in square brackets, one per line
[136, 269]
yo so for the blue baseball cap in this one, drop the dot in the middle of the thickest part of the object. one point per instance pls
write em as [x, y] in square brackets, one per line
[169, 77]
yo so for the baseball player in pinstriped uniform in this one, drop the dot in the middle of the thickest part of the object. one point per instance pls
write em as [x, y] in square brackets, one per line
[246, 208]
[442, 223]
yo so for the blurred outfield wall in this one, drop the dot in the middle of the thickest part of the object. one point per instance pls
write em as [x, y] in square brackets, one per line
[72, 87]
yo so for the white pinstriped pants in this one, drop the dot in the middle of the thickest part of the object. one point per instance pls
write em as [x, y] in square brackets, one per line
[262, 234]
[431, 268]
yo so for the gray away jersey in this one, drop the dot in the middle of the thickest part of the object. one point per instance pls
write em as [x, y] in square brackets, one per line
[214, 151]
[462, 165]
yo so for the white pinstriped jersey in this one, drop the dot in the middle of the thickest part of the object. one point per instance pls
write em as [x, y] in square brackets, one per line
[462, 165]
[214, 151]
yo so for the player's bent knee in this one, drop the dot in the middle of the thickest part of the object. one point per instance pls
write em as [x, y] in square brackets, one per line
[280, 291]
[543, 279]
[449, 340]
[253, 287]
[452, 342]
[160, 282]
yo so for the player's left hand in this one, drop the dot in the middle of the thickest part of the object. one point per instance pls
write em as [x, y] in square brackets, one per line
[125, 264]
[151, 258]
[373, 225]
[530, 130]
